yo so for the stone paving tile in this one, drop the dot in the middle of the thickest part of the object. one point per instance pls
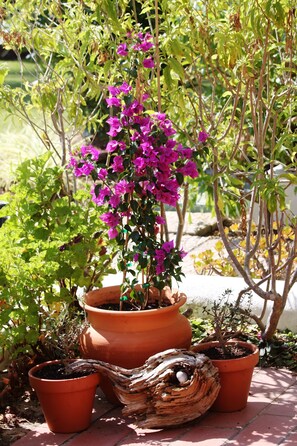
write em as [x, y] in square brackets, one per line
[291, 439]
[41, 436]
[108, 430]
[101, 405]
[265, 430]
[112, 429]
[204, 436]
[279, 378]
[285, 405]
[235, 419]
[270, 418]
[268, 387]
[154, 437]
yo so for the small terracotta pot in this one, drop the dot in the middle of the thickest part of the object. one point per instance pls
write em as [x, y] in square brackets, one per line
[67, 404]
[235, 377]
[129, 338]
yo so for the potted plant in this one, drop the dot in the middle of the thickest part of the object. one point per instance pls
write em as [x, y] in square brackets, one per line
[140, 170]
[234, 358]
[66, 399]
[53, 247]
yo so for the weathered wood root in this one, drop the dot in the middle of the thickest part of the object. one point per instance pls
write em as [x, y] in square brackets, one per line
[171, 388]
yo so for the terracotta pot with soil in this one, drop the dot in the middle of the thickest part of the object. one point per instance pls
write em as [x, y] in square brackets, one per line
[129, 338]
[66, 400]
[235, 372]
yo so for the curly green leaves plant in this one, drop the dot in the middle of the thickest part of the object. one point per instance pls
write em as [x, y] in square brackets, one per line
[52, 246]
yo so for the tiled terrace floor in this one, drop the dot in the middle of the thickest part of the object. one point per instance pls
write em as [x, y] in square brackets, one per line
[270, 418]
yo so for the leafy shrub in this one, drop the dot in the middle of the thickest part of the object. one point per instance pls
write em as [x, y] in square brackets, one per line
[52, 247]
[226, 318]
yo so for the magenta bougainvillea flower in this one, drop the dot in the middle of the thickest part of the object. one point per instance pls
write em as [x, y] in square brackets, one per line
[122, 49]
[203, 136]
[144, 170]
[148, 63]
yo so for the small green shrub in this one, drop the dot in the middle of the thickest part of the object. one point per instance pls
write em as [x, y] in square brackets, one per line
[280, 352]
[52, 247]
[227, 319]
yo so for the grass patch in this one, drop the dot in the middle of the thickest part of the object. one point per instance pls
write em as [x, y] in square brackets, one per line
[18, 143]
[18, 140]
[19, 74]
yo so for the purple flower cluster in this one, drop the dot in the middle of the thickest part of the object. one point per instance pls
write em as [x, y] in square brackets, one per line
[163, 253]
[143, 44]
[142, 151]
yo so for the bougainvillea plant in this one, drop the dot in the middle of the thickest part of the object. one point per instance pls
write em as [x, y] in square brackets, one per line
[144, 167]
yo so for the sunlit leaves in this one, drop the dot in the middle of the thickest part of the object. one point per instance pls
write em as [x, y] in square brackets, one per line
[53, 244]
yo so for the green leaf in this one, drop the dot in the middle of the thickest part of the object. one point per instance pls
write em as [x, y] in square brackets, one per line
[167, 76]
[227, 93]
[176, 47]
[107, 68]
[135, 236]
[3, 74]
[179, 178]
[177, 67]
[143, 261]
[41, 234]
[110, 7]
[290, 177]
[134, 205]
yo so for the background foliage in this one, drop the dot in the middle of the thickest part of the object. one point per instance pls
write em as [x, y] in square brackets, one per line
[224, 67]
[228, 68]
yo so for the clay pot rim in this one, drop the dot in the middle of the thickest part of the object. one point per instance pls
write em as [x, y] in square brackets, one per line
[55, 361]
[182, 298]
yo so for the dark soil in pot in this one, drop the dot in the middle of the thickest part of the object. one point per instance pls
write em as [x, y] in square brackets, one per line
[233, 351]
[57, 371]
[128, 306]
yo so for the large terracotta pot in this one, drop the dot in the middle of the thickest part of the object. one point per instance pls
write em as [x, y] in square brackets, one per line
[235, 377]
[129, 338]
[67, 404]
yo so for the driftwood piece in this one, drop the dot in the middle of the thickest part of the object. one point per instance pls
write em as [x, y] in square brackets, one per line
[171, 388]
